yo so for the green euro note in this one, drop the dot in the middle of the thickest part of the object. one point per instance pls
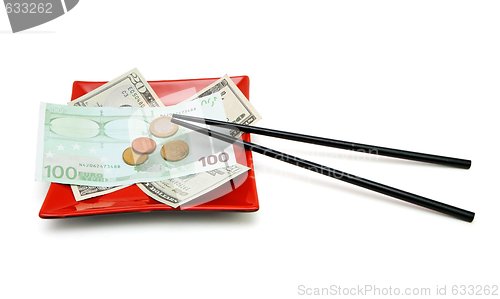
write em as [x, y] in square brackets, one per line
[108, 146]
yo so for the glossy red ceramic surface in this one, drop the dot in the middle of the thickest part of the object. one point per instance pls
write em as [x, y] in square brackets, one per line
[59, 201]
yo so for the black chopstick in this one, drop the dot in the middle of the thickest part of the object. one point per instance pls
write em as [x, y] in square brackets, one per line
[364, 148]
[337, 174]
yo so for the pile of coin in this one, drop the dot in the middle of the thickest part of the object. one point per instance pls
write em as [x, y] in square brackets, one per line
[142, 147]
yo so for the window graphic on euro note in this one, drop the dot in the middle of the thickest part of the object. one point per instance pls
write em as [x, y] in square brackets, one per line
[26, 14]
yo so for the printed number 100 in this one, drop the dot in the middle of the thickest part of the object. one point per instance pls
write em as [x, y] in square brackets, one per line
[212, 159]
[59, 171]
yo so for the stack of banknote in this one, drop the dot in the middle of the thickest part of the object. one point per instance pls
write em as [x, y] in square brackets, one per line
[120, 134]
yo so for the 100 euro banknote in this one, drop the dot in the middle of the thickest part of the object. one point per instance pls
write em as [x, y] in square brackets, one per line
[98, 146]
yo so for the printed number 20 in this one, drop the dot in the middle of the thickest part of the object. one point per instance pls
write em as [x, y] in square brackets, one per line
[212, 159]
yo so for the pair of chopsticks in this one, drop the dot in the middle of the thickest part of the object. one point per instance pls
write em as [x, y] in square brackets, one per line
[334, 173]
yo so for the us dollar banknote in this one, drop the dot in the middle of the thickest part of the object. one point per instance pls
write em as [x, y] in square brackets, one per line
[178, 191]
[238, 110]
[128, 90]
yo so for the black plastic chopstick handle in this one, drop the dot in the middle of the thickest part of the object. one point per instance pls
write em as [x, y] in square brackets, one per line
[359, 147]
[340, 175]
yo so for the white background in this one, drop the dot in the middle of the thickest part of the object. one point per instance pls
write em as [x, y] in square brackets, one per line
[418, 75]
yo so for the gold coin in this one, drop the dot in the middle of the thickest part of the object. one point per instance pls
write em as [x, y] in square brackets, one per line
[163, 127]
[132, 158]
[174, 150]
[143, 145]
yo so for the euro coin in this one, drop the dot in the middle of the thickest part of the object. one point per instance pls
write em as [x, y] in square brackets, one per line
[174, 150]
[143, 145]
[132, 158]
[163, 127]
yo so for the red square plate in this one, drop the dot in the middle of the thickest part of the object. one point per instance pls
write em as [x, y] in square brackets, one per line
[59, 201]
